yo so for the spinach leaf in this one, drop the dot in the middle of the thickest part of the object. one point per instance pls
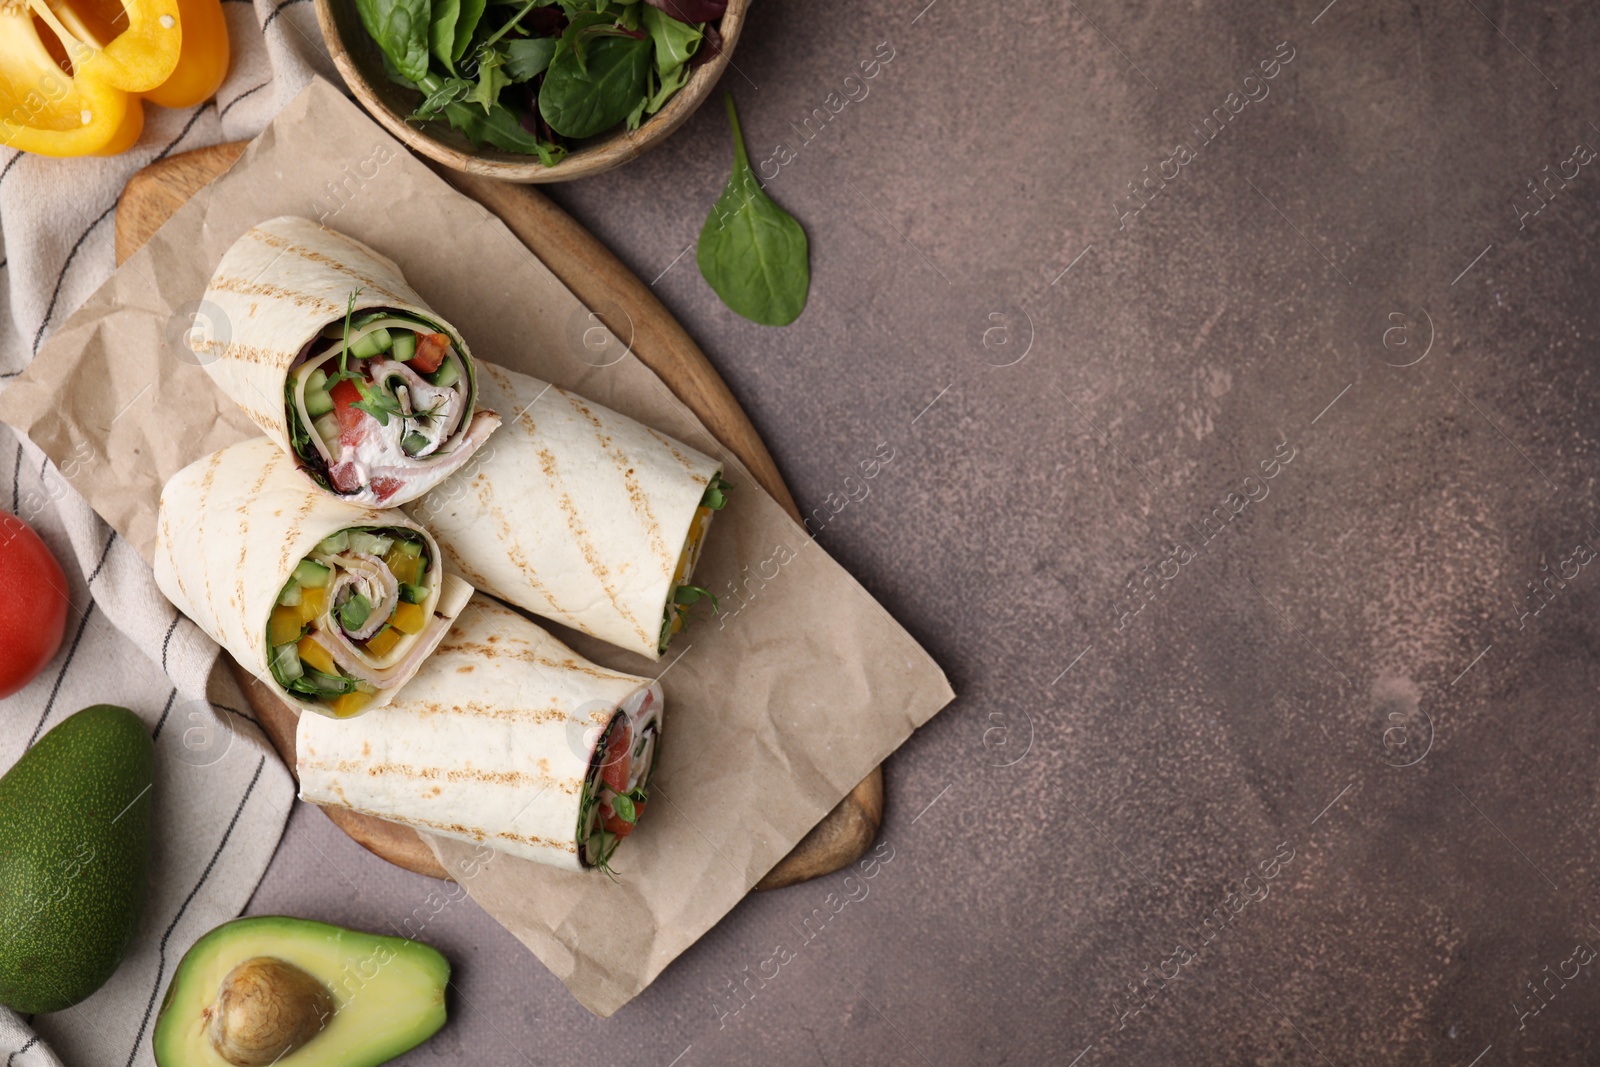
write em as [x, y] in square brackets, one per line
[752, 252]
[466, 23]
[442, 32]
[401, 29]
[580, 99]
[529, 57]
[692, 10]
[675, 42]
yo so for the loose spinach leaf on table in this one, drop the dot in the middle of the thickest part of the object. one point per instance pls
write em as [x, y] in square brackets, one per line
[400, 27]
[589, 89]
[752, 252]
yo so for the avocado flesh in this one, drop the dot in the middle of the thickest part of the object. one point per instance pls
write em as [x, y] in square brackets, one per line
[388, 992]
[74, 857]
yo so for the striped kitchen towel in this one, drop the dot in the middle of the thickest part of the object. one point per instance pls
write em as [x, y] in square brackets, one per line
[221, 795]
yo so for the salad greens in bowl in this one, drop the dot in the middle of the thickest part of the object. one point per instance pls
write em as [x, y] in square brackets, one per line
[531, 90]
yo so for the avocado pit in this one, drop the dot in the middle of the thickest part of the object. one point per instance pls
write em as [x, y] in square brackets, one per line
[267, 1008]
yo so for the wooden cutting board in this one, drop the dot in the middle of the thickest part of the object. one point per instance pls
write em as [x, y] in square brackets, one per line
[608, 288]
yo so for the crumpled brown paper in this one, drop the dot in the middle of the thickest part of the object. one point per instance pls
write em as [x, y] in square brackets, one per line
[775, 709]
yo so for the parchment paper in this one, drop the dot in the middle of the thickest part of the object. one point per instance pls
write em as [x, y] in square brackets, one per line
[775, 710]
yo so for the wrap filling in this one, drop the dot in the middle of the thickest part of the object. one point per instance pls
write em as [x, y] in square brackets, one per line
[383, 401]
[683, 596]
[355, 616]
[616, 789]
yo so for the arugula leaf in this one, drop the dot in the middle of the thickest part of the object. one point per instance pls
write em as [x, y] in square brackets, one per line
[751, 251]
[491, 78]
[669, 86]
[528, 57]
[449, 91]
[400, 27]
[582, 99]
[501, 128]
[675, 42]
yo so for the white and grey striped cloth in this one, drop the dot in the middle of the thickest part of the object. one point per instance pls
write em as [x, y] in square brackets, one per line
[221, 796]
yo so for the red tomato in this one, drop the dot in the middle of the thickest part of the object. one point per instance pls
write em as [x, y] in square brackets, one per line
[345, 396]
[33, 604]
[430, 352]
[384, 487]
[619, 759]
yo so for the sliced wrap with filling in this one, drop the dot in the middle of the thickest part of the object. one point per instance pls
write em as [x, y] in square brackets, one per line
[324, 345]
[505, 737]
[333, 604]
[579, 514]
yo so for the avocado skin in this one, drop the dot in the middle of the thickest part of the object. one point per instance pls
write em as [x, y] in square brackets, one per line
[74, 857]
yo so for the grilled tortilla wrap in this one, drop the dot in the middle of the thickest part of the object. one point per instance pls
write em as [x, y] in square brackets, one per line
[506, 737]
[578, 514]
[283, 303]
[333, 604]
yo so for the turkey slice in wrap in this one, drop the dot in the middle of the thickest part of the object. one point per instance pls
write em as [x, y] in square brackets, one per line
[579, 514]
[333, 604]
[506, 737]
[321, 342]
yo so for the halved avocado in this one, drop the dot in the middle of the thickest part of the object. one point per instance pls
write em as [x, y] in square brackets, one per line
[299, 993]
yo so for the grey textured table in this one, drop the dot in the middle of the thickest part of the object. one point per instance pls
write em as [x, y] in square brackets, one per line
[1218, 497]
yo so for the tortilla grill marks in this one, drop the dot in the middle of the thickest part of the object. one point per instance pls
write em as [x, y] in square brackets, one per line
[511, 779]
[504, 760]
[241, 287]
[591, 555]
[241, 520]
[636, 495]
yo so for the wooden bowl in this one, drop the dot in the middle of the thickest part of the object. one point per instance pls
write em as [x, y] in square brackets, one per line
[360, 64]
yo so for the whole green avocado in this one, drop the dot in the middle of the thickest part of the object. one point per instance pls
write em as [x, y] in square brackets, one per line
[74, 857]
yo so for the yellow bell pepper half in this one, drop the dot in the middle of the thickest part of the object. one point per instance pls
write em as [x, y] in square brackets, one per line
[42, 108]
[203, 62]
[135, 57]
[70, 69]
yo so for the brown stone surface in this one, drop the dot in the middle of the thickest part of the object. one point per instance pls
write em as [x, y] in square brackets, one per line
[1106, 782]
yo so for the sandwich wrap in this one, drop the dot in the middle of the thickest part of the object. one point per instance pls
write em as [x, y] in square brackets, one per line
[290, 307]
[579, 515]
[505, 737]
[275, 570]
